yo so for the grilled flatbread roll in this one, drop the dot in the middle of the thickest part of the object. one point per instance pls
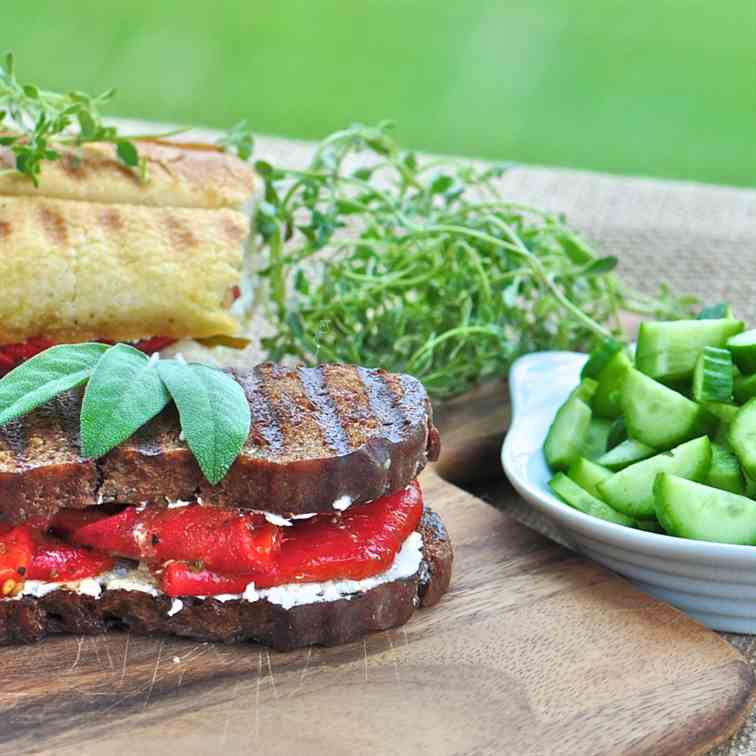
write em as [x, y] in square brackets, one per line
[180, 175]
[74, 271]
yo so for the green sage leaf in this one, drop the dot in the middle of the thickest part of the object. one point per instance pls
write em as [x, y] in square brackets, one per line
[214, 413]
[46, 375]
[124, 392]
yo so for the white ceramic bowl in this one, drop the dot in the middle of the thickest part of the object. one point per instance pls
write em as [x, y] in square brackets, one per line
[715, 583]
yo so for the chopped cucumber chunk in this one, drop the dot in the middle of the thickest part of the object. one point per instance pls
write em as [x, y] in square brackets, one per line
[600, 357]
[617, 433]
[669, 349]
[693, 510]
[598, 437]
[712, 377]
[725, 413]
[712, 312]
[743, 348]
[743, 437]
[581, 500]
[587, 474]
[744, 388]
[585, 390]
[631, 490]
[725, 472]
[606, 400]
[568, 434]
[626, 453]
[657, 415]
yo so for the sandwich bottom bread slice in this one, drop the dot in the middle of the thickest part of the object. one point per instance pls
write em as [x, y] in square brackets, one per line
[319, 535]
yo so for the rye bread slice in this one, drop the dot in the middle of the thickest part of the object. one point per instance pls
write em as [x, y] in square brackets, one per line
[318, 435]
[28, 620]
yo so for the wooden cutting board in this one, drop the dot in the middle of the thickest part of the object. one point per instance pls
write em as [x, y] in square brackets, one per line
[533, 651]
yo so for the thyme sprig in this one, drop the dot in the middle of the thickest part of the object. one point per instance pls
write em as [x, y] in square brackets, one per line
[35, 123]
[376, 257]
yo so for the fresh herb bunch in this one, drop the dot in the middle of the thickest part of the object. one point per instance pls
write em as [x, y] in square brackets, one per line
[35, 123]
[125, 389]
[424, 268]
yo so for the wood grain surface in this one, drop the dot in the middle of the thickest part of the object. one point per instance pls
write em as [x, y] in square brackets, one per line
[533, 651]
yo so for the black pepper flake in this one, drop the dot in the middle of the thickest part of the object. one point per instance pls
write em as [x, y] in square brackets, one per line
[155, 539]
[21, 570]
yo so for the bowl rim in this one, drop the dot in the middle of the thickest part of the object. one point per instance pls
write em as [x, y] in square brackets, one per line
[571, 519]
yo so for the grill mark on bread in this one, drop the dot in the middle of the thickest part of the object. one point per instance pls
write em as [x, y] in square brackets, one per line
[352, 403]
[5, 229]
[234, 232]
[111, 219]
[385, 405]
[13, 445]
[294, 411]
[67, 414]
[180, 234]
[265, 430]
[331, 425]
[54, 225]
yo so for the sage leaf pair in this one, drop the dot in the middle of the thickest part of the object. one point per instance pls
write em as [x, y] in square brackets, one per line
[126, 389]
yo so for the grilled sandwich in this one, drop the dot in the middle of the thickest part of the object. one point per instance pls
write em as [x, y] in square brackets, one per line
[95, 253]
[318, 533]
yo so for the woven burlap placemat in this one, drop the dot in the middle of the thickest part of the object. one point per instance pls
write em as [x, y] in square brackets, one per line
[698, 239]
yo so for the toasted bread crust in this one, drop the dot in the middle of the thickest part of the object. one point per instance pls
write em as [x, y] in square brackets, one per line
[28, 620]
[180, 175]
[318, 435]
[77, 271]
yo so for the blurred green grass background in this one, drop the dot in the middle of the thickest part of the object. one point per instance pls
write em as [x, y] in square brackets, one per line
[645, 87]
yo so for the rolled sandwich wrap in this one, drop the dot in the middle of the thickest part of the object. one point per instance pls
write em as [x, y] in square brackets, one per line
[73, 271]
[179, 175]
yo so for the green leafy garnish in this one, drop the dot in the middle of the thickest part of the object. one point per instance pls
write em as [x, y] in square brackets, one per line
[125, 389]
[239, 139]
[214, 412]
[423, 267]
[46, 375]
[35, 123]
[124, 392]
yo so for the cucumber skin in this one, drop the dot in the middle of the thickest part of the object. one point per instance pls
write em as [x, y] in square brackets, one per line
[606, 401]
[742, 437]
[637, 388]
[598, 437]
[587, 474]
[627, 453]
[590, 505]
[567, 434]
[713, 376]
[744, 355]
[669, 349]
[600, 357]
[725, 472]
[669, 490]
[623, 493]
[744, 388]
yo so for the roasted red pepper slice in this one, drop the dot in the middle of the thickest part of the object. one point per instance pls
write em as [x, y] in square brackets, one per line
[56, 561]
[356, 544]
[12, 355]
[223, 540]
[16, 552]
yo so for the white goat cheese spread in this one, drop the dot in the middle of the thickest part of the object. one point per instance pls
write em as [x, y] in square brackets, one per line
[406, 563]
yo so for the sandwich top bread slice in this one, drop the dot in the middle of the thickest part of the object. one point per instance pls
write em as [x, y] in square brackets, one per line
[318, 533]
[179, 175]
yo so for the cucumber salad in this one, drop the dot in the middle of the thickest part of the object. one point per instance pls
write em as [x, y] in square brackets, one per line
[665, 440]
